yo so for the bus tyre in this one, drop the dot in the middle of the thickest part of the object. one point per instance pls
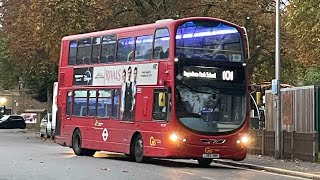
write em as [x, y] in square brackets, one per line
[76, 145]
[138, 150]
[204, 162]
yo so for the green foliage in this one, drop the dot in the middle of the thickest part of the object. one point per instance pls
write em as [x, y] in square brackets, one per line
[9, 71]
[33, 30]
[303, 23]
[310, 77]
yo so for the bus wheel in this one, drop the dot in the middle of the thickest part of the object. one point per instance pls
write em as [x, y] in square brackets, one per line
[204, 162]
[76, 143]
[138, 149]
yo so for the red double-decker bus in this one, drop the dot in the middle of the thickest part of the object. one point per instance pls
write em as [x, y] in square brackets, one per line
[171, 89]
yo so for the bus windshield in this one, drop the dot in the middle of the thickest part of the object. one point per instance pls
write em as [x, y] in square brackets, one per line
[208, 40]
[207, 108]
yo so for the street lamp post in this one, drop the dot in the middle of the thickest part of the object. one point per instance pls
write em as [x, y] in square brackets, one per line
[276, 83]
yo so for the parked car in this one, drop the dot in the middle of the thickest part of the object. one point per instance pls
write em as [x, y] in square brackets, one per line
[46, 126]
[12, 122]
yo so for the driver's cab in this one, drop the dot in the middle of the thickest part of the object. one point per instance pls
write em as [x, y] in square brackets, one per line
[212, 111]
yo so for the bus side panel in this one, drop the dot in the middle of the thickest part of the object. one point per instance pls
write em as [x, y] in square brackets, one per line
[153, 131]
[143, 106]
[155, 140]
[111, 135]
[115, 135]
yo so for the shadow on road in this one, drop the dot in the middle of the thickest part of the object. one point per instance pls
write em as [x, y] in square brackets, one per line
[160, 162]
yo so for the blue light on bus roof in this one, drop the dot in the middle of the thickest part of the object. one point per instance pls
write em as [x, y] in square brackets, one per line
[208, 33]
[202, 29]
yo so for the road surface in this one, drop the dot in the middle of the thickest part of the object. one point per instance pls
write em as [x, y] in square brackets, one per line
[25, 156]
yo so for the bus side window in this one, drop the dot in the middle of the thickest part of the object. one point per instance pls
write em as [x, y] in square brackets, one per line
[92, 103]
[116, 102]
[125, 49]
[68, 104]
[143, 48]
[84, 51]
[160, 104]
[72, 52]
[161, 44]
[104, 105]
[79, 106]
[108, 49]
[96, 50]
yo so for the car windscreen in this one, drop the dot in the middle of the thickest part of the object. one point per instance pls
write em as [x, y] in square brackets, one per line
[16, 118]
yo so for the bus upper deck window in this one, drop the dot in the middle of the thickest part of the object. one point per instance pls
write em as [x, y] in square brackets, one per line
[84, 51]
[161, 44]
[108, 49]
[125, 49]
[72, 52]
[209, 40]
[96, 49]
[143, 48]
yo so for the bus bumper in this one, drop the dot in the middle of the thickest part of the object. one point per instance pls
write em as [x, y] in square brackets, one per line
[60, 140]
[188, 151]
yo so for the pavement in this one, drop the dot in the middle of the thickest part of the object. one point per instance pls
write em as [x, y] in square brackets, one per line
[270, 164]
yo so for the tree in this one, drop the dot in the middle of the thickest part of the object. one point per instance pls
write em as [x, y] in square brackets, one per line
[33, 29]
[303, 24]
[9, 73]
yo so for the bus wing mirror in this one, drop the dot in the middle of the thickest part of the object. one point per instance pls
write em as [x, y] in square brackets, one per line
[247, 41]
[161, 99]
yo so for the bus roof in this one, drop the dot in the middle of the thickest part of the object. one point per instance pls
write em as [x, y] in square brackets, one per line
[158, 24]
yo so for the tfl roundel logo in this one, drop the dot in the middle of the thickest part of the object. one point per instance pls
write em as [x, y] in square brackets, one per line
[105, 134]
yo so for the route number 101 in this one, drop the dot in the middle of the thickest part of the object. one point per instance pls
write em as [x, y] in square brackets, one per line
[227, 75]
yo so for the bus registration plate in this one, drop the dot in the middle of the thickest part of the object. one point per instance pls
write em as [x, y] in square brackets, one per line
[214, 156]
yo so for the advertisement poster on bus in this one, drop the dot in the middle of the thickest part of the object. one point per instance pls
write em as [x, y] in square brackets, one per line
[146, 74]
[30, 117]
[82, 76]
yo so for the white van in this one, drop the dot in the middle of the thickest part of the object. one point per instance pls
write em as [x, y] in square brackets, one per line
[46, 126]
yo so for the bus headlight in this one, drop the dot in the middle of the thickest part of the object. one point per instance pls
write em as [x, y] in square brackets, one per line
[244, 139]
[173, 137]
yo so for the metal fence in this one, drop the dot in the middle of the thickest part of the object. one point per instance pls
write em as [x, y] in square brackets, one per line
[302, 146]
